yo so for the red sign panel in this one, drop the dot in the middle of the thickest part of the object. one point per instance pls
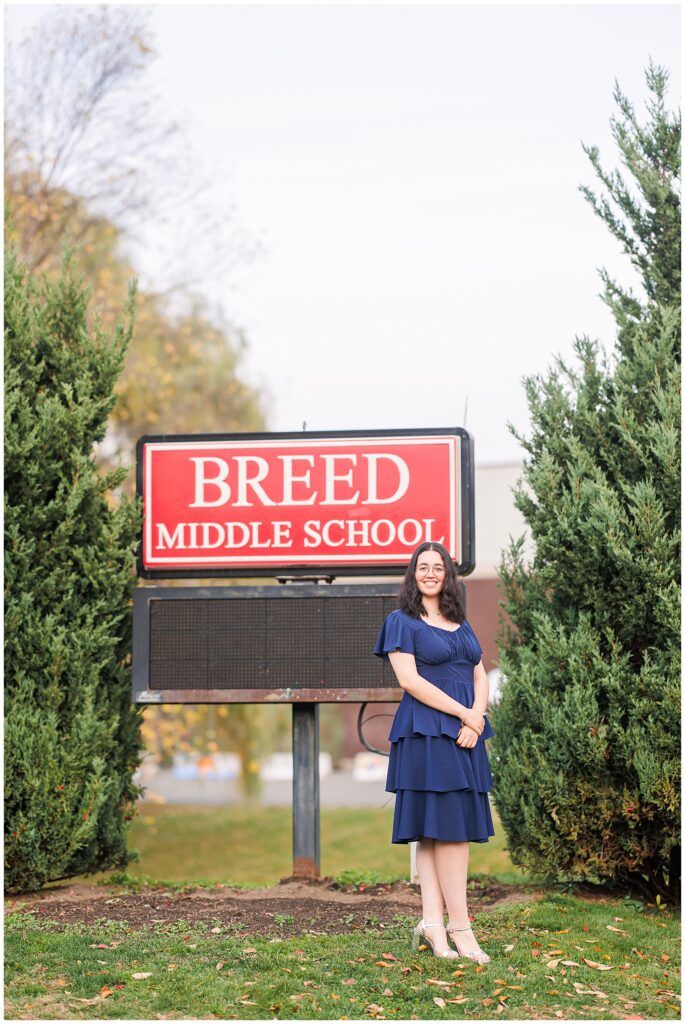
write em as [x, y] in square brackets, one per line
[244, 504]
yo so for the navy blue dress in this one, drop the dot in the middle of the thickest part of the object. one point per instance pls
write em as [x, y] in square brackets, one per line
[441, 789]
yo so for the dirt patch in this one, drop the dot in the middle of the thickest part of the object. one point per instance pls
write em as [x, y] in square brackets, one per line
[294, 906]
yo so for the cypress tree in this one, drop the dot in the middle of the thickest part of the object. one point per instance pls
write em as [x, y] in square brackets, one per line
[72, 737]
[586, 751]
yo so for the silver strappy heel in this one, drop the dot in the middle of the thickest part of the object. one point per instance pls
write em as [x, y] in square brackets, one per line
[419, 934]
[479, 955]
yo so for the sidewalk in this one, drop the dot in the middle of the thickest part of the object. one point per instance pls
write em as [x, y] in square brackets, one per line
[339, 789]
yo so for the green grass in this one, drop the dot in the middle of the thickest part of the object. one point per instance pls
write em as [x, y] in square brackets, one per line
[192, 972]
[253, 845]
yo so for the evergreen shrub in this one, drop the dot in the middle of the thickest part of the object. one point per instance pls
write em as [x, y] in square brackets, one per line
[587, 744]
[72, 737]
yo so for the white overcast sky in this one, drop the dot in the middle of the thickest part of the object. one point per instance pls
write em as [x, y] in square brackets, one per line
[412, 175]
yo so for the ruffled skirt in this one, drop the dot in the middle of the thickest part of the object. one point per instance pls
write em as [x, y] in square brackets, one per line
[441, 789]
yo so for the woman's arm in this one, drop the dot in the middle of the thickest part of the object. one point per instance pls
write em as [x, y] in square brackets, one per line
[404, 667]
[481, 689]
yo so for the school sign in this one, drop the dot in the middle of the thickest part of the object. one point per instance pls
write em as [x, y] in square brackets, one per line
[353, 503]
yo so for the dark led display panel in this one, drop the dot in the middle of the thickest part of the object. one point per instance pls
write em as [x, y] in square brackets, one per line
[271, 643]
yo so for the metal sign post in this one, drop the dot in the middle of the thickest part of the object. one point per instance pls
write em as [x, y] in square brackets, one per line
[306, 832]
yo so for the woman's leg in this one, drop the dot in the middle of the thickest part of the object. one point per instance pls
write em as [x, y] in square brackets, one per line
[451, 866]
[432, 899]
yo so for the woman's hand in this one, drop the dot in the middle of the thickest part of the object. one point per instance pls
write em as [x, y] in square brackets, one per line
[467, 737]
[474, 720]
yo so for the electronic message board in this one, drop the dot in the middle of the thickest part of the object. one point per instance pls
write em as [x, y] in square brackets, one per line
[302, 643]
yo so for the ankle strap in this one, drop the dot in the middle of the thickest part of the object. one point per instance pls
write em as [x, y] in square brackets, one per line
[450, 929]
[438, 924]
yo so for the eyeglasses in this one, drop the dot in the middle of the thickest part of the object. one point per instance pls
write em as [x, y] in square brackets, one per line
[423, 570]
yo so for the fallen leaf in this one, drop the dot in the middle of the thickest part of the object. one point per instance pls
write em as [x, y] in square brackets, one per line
[570, 963]
[104, 991]
[389, 956]
[555, 952]
[439, 1001]
[583, 990]
[552, 963]
[215, 931]
[598, 967]
[665, 958]
[171, 967]
[374, 1009]
[487, 1002]
[508, 949]
[437, 981]
[249, 949]
[141, 975]
[386, 992]
[457, 999]
[620, 931]
[350, 981]
[219, 965]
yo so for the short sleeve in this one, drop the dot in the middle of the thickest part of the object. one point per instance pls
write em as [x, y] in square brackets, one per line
[396, 635]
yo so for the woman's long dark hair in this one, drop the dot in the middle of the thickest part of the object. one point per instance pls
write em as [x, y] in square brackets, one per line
[451, 601]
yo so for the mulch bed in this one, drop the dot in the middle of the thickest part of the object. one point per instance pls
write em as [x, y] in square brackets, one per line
[292, 907]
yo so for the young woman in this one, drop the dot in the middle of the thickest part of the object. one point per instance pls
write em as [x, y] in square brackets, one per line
[438, 766]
